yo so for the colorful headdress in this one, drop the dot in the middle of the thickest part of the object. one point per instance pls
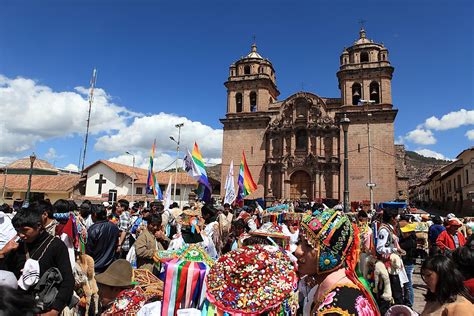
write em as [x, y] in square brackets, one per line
[331, 233]
[251, 280]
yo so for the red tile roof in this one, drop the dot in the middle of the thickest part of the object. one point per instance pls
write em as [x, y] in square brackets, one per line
[25, 163]
[41, 183]
[141, 174]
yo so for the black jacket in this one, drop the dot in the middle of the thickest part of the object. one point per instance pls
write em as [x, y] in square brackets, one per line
[409, 245]
[102, 239]
[55, 255]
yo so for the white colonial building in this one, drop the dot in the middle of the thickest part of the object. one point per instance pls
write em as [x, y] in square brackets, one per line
[104, 177]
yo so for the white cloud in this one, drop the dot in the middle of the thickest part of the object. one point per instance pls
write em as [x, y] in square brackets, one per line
[139, 135]
[470, 134]
[432, 154]
[400, 140]
[71, 167]
[51, 154]
[31, 112]
[6, 160]
[421, 136]
[451, 120]
[161, 161]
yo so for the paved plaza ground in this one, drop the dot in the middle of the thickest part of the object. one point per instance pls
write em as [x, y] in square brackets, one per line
[420, 289]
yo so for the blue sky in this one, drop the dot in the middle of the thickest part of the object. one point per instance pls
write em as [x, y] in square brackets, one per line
[160, 63]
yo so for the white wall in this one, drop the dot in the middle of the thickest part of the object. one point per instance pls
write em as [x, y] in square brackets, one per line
[108, 174]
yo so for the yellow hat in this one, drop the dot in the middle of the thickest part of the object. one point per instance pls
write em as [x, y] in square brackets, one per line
[408, 228]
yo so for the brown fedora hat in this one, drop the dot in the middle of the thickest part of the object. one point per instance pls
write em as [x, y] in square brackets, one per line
[118, 274]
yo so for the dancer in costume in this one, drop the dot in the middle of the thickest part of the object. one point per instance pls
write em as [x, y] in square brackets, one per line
[327, 255]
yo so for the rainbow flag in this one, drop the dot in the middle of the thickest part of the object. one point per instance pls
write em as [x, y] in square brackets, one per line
[197, 158]
[152, 186]
[245, 182]
[204, 188]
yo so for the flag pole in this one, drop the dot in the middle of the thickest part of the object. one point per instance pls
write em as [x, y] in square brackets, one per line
[91, 98]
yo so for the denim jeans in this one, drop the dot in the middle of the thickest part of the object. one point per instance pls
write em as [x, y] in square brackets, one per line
[411, 296]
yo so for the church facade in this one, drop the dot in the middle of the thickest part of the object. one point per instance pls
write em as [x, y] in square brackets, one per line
[294, 147]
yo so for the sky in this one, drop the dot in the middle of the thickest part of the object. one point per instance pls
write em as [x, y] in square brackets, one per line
[160, 63]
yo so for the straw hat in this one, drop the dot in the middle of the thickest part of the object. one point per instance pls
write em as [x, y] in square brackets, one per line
[118, 274]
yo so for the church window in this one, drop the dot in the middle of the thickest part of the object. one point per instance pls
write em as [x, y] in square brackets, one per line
[356, 93]
[374, 92]
[238, 102]
[301, 139]
[253, 101]
[139, 190]
[247, 70]
[364, 57]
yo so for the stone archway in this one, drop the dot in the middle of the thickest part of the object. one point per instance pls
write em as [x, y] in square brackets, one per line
[300, 182]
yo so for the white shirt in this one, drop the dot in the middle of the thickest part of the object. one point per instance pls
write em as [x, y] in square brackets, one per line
[6, 229]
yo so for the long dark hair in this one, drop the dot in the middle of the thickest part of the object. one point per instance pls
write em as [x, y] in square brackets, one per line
[450, 280]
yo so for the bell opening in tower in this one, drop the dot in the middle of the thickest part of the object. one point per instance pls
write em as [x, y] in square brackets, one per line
[356, 93]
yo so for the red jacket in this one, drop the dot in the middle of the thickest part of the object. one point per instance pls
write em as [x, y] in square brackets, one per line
[445, 240]
[469, 284]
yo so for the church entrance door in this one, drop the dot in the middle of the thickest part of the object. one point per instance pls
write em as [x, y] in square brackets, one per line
[300, 182]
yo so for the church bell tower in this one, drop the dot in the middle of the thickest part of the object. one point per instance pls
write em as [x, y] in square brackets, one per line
[251, 85]
[365, 73]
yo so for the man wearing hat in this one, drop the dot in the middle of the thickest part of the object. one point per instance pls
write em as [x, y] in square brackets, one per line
[113, 281]
[451, 238]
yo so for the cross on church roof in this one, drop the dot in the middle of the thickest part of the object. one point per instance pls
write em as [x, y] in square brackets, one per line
[100, 181]
[362, 23]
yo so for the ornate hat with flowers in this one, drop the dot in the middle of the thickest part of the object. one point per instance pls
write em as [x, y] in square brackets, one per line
[252, 280]
[331, 233]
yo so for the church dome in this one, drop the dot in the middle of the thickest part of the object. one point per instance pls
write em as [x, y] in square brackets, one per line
[362, 38]
[253, 53]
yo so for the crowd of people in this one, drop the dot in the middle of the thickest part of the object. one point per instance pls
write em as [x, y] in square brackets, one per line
[289, 259]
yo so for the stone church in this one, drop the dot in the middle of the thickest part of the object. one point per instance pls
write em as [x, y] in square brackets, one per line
[294, 147]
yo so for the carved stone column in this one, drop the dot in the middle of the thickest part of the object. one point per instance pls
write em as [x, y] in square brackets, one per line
[316, 185]
[293, 143]
[321, 146]
[269, 145]
[282, 184]
[313, 144]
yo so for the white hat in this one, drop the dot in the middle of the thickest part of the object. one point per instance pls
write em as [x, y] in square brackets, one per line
[450, 215]
[106, 204]
[30, 276]
[8, 279]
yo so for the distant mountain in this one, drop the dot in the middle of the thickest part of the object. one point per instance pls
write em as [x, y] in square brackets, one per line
[419, 167]
[214, 172]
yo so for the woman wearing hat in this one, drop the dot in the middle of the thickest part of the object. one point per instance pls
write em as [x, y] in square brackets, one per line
[327, 255]
[451, 238]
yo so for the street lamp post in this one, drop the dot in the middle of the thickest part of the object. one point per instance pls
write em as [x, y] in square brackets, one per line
[32, 161]
[5, 172]
[177, 156]
[345, 126]
[371, 185]
[133, 176]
